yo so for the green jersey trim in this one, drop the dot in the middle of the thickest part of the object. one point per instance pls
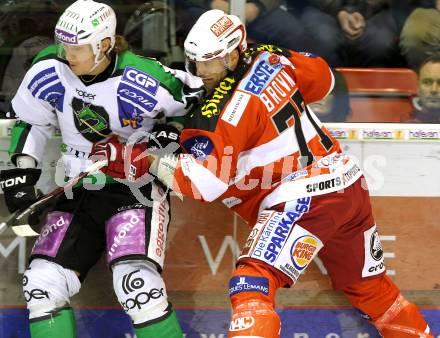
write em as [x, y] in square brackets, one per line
[19, 135]
[50, 52]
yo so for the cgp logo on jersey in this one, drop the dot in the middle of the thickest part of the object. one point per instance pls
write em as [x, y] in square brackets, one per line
[66, 37]
[373, 264]
[199, 146]
[141, 80]
[239, 284]
[262, 73]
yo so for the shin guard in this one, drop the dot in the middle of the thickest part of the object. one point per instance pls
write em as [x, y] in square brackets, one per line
[141, 291]
[254, 319]
[252, 291]
[380, 301]
[402, 320]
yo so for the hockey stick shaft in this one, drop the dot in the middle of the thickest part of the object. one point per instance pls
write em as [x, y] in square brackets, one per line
[92, 168]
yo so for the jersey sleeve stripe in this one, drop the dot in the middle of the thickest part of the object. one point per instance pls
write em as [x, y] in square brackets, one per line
[128, 105]
[54, 95]
[209, 185]
[41, 79]
[32, 141]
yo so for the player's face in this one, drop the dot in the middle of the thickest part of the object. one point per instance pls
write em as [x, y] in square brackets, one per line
[429, 86]
[212, 72]
[80, 57]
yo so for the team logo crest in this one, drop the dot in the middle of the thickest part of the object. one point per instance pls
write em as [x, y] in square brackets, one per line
[376, 246]
[199, 146]
[92, 121]
[274, 59]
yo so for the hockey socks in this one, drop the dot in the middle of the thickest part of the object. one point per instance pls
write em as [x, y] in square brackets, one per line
[380, 301]
[166, 328]
[59, 324]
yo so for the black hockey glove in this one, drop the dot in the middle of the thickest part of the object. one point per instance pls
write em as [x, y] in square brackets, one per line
[162, 136]
[18, 186]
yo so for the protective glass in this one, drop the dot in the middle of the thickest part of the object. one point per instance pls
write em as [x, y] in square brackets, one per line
[204, 68]
[191, 66]
[73, 52]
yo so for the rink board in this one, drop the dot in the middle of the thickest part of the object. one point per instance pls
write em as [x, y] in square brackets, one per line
[297, 323]
[205, 240]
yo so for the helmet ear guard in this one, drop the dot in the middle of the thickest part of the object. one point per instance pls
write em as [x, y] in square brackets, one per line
[214, 35]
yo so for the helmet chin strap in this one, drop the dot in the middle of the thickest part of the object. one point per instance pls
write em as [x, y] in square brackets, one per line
[99, 61]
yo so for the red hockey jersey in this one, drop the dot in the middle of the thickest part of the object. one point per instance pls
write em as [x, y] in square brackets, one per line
[255, 129]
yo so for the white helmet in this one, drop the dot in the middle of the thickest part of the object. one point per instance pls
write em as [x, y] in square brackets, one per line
[87, 22]
[214, 35]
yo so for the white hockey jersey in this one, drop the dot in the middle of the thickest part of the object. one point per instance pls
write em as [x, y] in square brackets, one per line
[136, 93]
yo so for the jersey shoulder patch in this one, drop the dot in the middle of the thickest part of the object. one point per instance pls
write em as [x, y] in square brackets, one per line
[148, 73]
[265, 67]
[201, 146]
[309, 55]
[44, 84]
[236, 107]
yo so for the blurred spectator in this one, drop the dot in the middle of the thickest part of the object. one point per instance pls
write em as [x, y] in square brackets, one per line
[25, 28]
[403, 8]
[323, 34]
[370, 33]
[427, 104]
[266, 21]
[420, 36]
[336, 106]
[358, 33]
